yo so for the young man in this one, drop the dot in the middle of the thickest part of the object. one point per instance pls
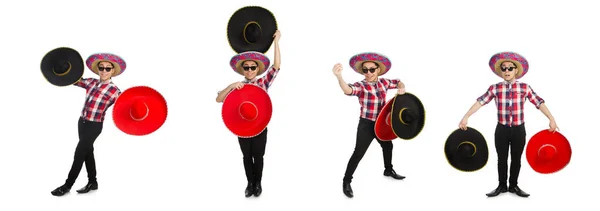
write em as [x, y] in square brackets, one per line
[101, 93]
[250, 65]
[371, 93]
[510, 96]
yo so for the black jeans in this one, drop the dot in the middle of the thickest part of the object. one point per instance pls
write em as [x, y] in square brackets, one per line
[88, 132]
[512, 138]
[253, 150]
[365, 134]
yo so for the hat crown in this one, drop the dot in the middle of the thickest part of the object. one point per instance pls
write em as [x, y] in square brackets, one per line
[248, 111]
[61, 66]
[252, 32]
[138, 110]
[408, 116]
[466, 149]
[547, 152]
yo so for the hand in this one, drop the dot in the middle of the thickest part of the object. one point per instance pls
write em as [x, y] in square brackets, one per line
[236, 85]
[463, 124]
[553, 127]
[337, 69]
[277, 35]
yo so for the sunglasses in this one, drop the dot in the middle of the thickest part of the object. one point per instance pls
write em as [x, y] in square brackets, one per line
[504, 69]
[372, 70]
[108, 69]
[246, 68]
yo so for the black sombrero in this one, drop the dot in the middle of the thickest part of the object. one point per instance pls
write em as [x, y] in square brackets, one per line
[466, 150]
[408, 116]
[251, 28]
[62, 66]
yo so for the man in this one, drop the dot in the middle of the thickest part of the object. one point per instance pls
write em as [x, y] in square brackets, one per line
[250, 65]
[100, 95]
[371, 93]
[510, 96]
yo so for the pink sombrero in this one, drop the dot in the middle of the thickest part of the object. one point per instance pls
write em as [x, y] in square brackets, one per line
[520, 62]
[261, 59]
[548, 152]
[382, 61]
[118, 62]
[383, 124]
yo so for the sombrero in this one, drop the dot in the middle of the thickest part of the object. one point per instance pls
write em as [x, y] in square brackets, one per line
[383, 124]
[246, 112]
[140, 111]
[260, 59]
[382, 61]
[251, 28]
[62, 66]
[518, 60]
[466, 150]
[117, 62]
[548, 152]
[408, 116]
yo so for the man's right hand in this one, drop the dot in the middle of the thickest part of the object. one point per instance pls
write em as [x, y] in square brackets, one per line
[236, 85]
[463, 124]
[337, 69]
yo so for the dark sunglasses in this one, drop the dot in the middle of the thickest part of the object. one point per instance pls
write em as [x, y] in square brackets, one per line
[246, 68]
[504, 69]
[108, 69]
[372, 70]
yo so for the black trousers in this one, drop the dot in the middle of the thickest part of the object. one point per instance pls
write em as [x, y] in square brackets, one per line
[253, 150]
[88, 132]
[512, 138]
[365, 134]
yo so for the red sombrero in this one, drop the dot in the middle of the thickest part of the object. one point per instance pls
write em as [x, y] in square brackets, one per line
[548, 152]
[140, 110]
[383, 124]
[246, 112]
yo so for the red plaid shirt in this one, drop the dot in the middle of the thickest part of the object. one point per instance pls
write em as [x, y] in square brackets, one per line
[264, 81]
[98, 97]
[371, 95]
[510, 101]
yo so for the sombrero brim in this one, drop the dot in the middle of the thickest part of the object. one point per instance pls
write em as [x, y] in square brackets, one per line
[382, 61]
[72, 75]
[117, 62]
[237, 23]
[156, 111]
[520, 61]
[383, 124]
[402, 129]
[556, 140]
[235, 122]
[260, 59]
[466, 164]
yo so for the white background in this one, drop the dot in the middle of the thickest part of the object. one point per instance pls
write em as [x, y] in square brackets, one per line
[440, 49]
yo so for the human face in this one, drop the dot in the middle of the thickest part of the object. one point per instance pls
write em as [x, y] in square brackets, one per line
[509, 71]
[105, 70]
[370, 71]
[250, 69]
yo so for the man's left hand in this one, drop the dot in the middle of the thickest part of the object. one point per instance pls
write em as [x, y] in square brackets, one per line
[553, 126]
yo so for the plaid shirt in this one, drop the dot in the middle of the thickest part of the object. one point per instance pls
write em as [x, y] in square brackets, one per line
[264, 81]
[371, 96]
[99, 97]
[510, 101]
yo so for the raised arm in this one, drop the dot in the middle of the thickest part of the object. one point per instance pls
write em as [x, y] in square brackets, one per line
[337, 71]
[83, 83]
[277, 62]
